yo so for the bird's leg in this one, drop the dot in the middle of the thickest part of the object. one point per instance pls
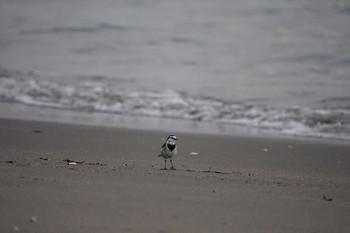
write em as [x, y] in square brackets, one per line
[165, 165]
[172, 166]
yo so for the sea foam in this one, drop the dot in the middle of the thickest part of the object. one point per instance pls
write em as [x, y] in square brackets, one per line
[100, 97]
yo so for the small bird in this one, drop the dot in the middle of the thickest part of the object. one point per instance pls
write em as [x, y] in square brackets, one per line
[169, 149]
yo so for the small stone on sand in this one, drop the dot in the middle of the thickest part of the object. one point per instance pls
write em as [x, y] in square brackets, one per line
[33, 219]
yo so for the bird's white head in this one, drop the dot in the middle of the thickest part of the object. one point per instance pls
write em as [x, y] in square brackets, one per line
[171, 139]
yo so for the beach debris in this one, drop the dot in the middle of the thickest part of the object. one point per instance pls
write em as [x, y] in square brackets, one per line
[9, 161]
[265, 150]
[72, 162]
[208, 171]
[42, 158]
[194, 153]
[217, 172]
[236, 173]
[96, 164]
[324, 198]
[16, 228]
[125, 165]
[36, 131]
[33, 219]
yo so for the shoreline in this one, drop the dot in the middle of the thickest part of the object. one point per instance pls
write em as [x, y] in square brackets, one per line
[22, 112]
[235, 183]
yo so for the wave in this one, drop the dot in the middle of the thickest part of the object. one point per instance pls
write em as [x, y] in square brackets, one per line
[77, 29]
[101, 97]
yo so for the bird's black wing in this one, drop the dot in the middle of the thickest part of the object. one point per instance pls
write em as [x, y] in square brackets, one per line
[163, 145]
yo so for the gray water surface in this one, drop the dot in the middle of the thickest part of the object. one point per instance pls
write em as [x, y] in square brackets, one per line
[260, 63]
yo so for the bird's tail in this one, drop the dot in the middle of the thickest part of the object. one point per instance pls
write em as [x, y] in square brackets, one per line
[159, 155]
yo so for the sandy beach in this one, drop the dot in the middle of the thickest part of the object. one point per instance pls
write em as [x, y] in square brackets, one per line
[257, 92]
[74, 178]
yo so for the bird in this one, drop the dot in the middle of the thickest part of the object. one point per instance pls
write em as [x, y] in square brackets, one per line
[169, 150]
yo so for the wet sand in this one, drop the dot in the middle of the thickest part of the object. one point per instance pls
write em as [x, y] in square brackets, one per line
[233, 184]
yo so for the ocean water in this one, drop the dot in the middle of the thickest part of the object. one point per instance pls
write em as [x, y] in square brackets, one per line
[276, 65]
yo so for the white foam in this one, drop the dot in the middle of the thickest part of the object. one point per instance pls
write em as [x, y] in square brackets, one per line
[99, 97]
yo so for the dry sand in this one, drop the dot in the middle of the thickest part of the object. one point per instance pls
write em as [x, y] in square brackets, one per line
[233, 184]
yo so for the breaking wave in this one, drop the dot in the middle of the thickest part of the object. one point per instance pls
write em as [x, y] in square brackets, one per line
[100, 97]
